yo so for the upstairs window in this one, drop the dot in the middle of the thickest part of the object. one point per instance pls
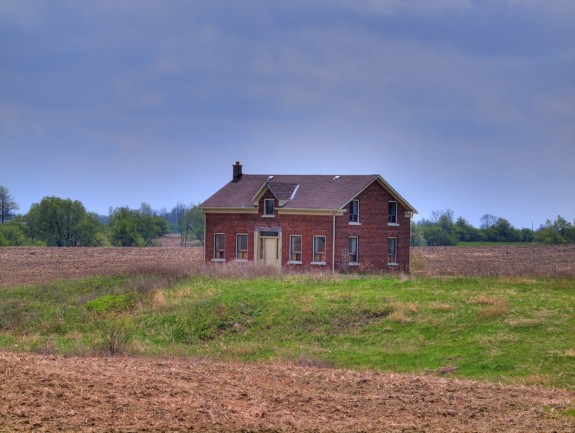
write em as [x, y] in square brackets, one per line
[392, 212]
[269, 205]
[219, 246]
[242, 247]
[319, 250]
[295, 249]
[392, 251]
[352, 248]
[354, 211]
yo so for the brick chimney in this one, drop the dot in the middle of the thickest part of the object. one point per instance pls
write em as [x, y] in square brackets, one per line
[237, 171]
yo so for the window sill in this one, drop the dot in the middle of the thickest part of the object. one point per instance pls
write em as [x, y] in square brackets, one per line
[393, 264]
[294, 263]
[241, 260]
[319, 263]
[353, 264]
[354, 224]
[393, 224]
[268, 216]
[218, 260]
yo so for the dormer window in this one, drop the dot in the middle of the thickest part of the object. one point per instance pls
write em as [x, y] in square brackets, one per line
[354, 212]
[269, 207]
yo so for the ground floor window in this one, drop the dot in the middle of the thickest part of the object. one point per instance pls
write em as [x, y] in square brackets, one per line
[392, 250]
[242, 247]
[319, 255]
[295, 249]
[219, 246]
[352, 250]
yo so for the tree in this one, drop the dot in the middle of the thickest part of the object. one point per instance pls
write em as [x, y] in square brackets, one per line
[11, 235]
[487, 220]
[190, 222]
[465, 232]
[559, 231]
[150, 224]
[502, 231]
[123, 231]
[7, 205]
[62, 223]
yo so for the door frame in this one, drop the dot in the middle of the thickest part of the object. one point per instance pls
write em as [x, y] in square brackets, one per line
[258, 242]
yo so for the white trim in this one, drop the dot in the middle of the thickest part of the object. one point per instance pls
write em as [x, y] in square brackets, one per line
[393, 224]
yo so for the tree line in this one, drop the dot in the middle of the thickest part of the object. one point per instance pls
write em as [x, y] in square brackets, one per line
[66, 223]
[443, 229]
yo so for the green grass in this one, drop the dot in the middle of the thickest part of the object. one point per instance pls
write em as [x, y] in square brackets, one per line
[511, 330]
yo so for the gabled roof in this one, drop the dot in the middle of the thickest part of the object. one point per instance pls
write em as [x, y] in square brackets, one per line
[301, 192]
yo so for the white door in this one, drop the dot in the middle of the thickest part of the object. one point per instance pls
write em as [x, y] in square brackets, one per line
[269, 252]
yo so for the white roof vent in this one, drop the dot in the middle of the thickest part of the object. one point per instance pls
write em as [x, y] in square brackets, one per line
[336, 177]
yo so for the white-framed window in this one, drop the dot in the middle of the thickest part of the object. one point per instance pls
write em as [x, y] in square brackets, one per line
[391, 251]
[269, 207]
[295, 249]
[354, 212]
[241, 246]
[219, 246]
[319, 256]
[392, 212]
[353, 257]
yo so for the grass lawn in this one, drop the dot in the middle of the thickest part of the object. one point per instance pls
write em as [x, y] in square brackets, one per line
[512, 330]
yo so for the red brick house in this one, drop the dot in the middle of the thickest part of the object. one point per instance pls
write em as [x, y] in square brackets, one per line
[302, 221]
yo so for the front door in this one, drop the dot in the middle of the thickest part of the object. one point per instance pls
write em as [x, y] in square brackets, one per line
[269, 252]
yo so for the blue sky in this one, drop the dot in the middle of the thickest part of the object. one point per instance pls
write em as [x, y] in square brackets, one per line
[458, 104]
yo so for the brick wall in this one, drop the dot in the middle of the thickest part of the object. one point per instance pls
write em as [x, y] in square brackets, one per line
[372, 231]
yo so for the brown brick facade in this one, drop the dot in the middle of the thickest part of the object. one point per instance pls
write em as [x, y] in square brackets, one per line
[372, 231]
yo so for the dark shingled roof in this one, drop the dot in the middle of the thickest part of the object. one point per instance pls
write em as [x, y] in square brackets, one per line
[317, 192]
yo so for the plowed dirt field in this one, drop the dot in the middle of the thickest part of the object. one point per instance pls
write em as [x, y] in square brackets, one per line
[47, 393]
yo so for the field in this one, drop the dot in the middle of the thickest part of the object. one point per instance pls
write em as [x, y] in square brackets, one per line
[291, 353]
[489, 261]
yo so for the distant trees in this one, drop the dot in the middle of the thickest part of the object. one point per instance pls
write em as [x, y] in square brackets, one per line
[63, 223]
[559, 231]
[7, 205]
[441, 230]
[188, 221]
[135, 228]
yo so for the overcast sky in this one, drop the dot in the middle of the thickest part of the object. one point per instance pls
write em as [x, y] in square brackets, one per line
[458, 104]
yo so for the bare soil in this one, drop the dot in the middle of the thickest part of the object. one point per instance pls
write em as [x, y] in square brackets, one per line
[48, 393]
[494, 261]
[31, 265]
